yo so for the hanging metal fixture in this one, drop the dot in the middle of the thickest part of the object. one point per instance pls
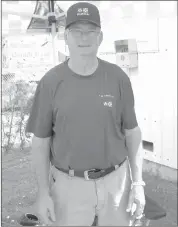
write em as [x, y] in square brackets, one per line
[49, 18]
[46, 14]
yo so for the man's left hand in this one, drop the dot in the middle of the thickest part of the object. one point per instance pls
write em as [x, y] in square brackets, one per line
[136, 196]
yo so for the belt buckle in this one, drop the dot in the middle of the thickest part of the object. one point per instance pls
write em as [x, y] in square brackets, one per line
[87, 172]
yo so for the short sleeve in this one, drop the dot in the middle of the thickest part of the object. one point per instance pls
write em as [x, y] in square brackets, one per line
[40, 119]
[128, 116]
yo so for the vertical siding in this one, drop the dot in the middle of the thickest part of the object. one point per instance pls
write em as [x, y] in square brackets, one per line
[155, 89]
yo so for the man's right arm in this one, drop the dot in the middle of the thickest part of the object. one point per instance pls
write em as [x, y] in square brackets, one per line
[40, 123]
[41, 163]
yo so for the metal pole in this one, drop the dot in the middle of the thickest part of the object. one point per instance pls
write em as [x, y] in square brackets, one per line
[53, 31]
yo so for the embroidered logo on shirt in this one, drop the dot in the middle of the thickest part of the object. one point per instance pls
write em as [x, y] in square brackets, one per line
[106, 96]
[108, 104]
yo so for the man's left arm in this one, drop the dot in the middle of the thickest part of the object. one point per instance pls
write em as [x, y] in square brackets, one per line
[135, 151]
[131, 130]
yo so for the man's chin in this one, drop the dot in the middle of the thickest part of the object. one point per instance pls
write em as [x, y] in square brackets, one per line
[85, 53]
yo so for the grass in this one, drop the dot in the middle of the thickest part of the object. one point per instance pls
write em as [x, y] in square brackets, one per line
[18, 186]
[19, 190]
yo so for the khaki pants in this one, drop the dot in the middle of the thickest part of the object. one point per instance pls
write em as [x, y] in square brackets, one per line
[78, 200]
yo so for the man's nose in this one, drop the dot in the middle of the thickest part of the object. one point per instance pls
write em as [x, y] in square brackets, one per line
[84, 36]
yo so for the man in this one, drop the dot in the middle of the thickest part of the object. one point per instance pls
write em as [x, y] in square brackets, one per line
[83, 112]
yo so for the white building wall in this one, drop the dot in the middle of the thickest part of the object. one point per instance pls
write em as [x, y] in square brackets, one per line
[155, 89]
[154, 81]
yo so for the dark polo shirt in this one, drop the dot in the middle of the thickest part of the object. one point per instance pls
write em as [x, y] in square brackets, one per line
[84, 115]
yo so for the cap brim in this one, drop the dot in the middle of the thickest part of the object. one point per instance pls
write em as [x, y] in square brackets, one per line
[90, 21]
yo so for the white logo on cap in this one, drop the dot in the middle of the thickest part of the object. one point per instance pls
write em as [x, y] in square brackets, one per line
[82, 11]
[85, 10]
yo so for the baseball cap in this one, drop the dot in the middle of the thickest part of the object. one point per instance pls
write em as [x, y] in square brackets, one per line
[83, 11]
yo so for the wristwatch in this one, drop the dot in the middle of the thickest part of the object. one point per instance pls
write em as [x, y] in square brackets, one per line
[137, 183]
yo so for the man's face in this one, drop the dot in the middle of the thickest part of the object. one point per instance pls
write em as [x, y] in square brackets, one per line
[83, 39]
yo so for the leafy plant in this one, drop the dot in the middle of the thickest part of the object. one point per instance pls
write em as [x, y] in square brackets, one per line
[17, 98]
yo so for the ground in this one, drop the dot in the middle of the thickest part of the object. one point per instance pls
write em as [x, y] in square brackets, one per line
[19, 190]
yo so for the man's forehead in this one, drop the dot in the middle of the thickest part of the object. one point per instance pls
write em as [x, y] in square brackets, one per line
[83, 23]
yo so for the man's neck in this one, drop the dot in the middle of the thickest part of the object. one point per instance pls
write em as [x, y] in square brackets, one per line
[84, 65]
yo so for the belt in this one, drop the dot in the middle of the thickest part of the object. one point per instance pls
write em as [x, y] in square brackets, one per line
[90, 174]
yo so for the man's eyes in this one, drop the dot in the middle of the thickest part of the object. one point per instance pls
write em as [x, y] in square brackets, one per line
[78, 30]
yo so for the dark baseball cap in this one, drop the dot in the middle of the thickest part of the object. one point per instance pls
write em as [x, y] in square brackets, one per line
[83, 11]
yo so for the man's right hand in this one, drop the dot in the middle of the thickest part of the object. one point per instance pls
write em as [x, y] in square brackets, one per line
[45, 209]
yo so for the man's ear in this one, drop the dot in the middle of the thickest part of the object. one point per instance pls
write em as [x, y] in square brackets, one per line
[65, 36]
[100, 38]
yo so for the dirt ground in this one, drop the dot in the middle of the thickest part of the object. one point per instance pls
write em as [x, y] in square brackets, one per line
[165, 194]
[19, 191]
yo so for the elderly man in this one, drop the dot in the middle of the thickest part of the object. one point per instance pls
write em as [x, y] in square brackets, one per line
[86, 134]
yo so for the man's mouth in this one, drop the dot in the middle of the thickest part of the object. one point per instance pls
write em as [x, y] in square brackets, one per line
[83, 45]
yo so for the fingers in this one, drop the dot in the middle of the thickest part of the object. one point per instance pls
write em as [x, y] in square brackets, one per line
[138, 214]
[48, 217]
[44, 218]
[130, 203]
[52, 213]
[138, 209]
[46, 211]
